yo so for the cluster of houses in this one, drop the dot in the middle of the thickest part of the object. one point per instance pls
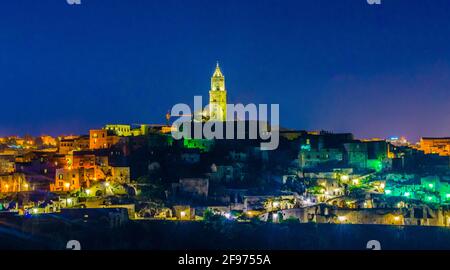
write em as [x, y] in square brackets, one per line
[311, 177]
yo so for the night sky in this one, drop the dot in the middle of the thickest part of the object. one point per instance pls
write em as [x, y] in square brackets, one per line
[342, 65]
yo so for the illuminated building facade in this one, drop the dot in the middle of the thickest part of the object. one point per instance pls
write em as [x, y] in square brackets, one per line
[119, 130]
[48, 140]
[7, 165]
[122, 130]
[66, 180]
[218, 97]
[440, 146]
[120, 175]
[101, 139]
[309, 158]
[66, 144]
[14, 182]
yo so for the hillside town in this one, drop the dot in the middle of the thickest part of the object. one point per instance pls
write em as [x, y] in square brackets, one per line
[143, 173]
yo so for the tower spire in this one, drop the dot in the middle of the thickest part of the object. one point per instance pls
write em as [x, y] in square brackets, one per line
[217, 71]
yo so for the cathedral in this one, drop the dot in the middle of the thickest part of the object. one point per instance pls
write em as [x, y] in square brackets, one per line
[217, 110]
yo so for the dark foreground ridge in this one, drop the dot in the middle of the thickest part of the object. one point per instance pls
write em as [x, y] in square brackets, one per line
[168, 235]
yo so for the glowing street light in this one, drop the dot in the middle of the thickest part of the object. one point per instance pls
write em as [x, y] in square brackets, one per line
[107, 184]
[88, 191]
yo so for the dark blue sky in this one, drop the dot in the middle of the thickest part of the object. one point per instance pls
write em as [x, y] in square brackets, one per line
[339, 65]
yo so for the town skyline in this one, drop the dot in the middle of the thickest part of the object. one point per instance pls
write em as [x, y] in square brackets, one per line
[92, 64]
[217, 69]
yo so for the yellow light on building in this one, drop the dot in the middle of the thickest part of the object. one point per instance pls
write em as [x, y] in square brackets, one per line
[69, 200]
[106, 184]
[342, 218]
[25, 186]
[182, 214]
[276, 204]
[382, 185]
[67, 185]
[396, 218]
[345, 177]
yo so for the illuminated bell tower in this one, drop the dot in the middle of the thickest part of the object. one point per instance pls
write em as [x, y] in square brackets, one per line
[218, 96]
